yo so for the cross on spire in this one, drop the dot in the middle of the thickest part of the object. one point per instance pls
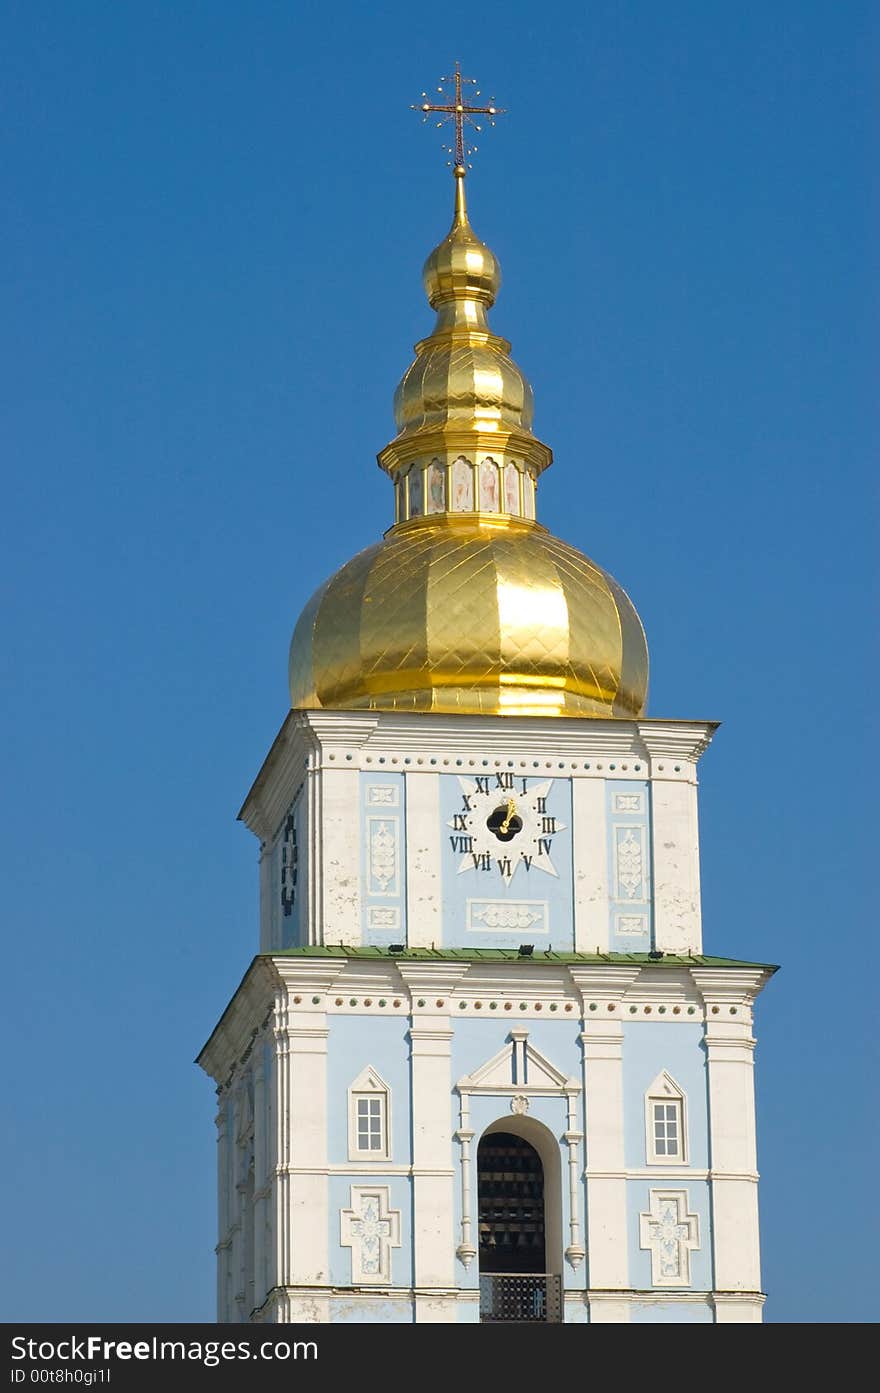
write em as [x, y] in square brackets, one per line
[460, 112]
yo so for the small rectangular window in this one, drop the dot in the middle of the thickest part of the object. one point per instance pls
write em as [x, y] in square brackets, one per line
[667, 1130]
[370, 1114]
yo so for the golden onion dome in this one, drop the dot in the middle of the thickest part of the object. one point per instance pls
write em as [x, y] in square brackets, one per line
[469, 614]
[468, 604]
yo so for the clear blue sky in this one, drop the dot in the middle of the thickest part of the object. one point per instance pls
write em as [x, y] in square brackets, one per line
[215, 216]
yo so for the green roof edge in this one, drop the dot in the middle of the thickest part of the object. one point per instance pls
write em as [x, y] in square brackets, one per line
[539, 955]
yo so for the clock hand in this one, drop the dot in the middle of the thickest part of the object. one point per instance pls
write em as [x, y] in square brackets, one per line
[511, 812]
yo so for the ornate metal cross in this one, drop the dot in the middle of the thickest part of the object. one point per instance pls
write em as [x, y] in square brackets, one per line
[456, 109]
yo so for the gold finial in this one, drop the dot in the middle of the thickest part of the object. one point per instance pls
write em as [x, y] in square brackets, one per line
[462, 113]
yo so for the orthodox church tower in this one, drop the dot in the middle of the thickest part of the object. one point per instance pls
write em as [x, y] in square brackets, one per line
[481, 1069]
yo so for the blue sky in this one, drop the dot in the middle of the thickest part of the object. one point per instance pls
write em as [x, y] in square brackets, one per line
[215, 217]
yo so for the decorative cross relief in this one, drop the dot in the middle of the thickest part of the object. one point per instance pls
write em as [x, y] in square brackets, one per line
[670, 1232]
[370, 1229]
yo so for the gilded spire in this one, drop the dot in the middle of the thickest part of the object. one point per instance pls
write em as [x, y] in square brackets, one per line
[463, 408]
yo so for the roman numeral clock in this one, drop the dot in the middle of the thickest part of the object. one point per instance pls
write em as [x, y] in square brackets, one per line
[507, 863]
[505, 823]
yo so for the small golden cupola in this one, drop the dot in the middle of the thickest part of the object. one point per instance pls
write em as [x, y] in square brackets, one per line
[468, 604]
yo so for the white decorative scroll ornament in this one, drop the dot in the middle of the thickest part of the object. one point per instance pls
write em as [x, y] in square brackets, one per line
[382, 794]
[383, 918]
[631, 924]
[670, 1232]
[498, 914]
[627, 802]
[629, 862]
[370, 1229]
[382, 854]
[519, 1103]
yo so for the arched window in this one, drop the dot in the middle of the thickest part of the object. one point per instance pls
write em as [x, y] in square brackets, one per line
[665, 1123]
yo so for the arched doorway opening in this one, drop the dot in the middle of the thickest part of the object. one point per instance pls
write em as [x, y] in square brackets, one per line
[515, 1285]
[511, 1205]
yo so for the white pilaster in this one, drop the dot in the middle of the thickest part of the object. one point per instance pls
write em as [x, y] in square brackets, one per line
[728, 995]
[738, 1310]
[222, 1212]
[433, 1198]
[307, 1105]
[423, 851]
[433, 1177]
[589, 839]
[238, 1201]
[676, 863]
[602, 1040]
[282, 1256]
[340, 855]
[262, 1182]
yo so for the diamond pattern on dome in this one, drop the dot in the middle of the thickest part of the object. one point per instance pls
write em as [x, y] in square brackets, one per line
[392, 639]
[336, 650]
[464, 626]
[595, 623]
[466, 616]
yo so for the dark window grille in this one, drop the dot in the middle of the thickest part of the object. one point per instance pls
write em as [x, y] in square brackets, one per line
[505, 1299]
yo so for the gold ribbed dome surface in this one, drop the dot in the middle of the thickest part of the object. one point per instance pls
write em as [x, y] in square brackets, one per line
[471, 615]
[468, 604]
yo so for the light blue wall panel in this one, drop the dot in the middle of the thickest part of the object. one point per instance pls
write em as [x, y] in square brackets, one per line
[575, 1312]
[628, 809]
[648, 1048]
[476, 1041]
[383, 858]
[400, 1198]
[354, 1043]
[698, 1201]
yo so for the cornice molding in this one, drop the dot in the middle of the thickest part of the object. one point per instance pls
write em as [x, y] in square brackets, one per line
[432, 976]
[606, 980]
[310, 974]
[730, 985]
[305, 736]
[676, 739]
[241, 1023]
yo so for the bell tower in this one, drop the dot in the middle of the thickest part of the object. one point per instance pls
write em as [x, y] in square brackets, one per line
[481, 1069]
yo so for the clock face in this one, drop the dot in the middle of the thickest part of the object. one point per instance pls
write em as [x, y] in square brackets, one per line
[503, 824]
